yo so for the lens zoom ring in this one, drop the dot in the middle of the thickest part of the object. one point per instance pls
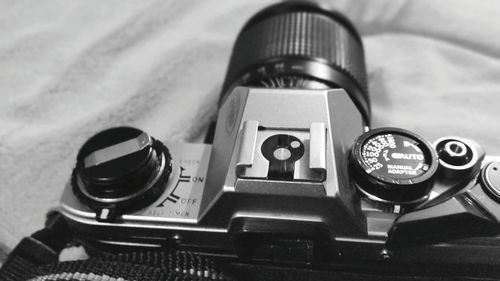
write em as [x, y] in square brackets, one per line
[301, 34]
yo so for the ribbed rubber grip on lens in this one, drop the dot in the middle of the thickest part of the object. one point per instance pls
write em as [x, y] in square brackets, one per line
[310, 34]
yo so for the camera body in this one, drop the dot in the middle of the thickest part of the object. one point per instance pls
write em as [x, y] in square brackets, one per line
[295, 177]
[224, 200]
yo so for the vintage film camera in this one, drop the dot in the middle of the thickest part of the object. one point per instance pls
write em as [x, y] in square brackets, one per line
[295, 178]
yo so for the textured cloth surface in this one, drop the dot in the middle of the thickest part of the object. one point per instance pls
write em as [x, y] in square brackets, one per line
[71, 68]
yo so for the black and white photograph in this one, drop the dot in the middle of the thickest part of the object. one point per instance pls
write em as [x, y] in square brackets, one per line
[302, 140]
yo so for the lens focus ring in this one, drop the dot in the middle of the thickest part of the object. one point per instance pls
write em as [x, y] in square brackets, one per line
[306, 32]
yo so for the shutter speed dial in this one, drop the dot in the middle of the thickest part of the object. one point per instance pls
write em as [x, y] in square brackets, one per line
[393, 166]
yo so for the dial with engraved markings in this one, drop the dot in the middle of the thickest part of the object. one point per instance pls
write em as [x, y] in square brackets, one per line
[394, 156]
[393, 165]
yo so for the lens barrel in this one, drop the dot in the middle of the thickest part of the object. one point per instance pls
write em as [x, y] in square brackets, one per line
[300, 45]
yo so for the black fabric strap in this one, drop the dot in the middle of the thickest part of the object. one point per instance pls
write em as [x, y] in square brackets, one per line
[187, 263]
[148, 266]
[42, 247]
[100, 269]
[28, 254]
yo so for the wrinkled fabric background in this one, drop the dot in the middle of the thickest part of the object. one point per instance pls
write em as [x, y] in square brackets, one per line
[71, 68]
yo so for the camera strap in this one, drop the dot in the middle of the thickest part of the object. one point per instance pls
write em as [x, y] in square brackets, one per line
[36, 258]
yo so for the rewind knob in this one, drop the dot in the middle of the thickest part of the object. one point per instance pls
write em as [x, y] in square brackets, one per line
[120, 170]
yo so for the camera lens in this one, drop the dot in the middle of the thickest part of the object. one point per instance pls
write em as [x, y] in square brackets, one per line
[300, 45]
